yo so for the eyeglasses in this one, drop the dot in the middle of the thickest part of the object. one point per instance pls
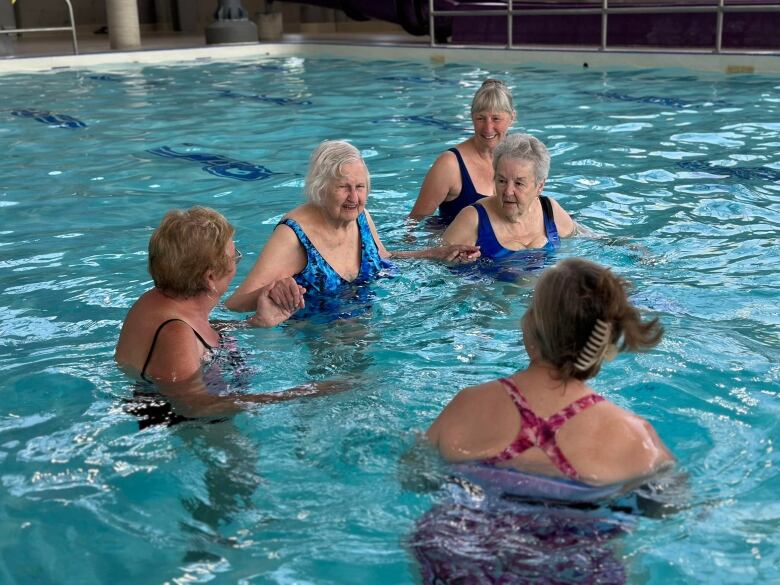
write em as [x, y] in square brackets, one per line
[237, 256]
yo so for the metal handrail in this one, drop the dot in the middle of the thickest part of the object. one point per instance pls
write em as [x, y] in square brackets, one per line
[720, 9]
[71, 28]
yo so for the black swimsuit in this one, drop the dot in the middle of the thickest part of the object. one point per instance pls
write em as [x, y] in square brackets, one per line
[151, 408]
[468, 192]
[154, 342]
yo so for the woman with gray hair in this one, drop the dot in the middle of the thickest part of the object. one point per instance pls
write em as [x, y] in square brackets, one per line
[463, 175]
[329, 241]
[519, 217]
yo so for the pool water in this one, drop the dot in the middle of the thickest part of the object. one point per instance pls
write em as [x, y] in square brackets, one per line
[678, 174]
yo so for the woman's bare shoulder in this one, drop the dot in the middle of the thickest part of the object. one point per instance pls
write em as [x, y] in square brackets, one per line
[302, 212]
[482, 398]
[618, 445]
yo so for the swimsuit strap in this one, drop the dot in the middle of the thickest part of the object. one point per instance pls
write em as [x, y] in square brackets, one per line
[557, 420]
[154, 343]
[468, 192]
[370, 260]
[536, 431]
[304, 239]
[317, 274]
[488, 244]
[549, 221]
[467, 184]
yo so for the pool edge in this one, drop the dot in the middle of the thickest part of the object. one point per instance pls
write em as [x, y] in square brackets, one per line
[727, 63]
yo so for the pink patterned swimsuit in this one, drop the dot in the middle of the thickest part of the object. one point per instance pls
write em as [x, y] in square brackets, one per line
[536, 431]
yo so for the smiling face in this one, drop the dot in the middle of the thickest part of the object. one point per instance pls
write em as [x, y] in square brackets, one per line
[346, 195]
[516, 186]
[491, 127]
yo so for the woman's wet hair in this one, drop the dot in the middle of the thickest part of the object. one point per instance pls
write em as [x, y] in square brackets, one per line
[562, 323]
[524, 147]
[493, 96]
[326, 164]
[185, 246]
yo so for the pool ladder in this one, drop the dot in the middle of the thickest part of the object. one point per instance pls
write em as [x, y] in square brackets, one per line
[71, 28]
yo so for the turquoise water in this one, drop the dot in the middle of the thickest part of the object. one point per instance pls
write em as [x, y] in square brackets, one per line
[678, 172]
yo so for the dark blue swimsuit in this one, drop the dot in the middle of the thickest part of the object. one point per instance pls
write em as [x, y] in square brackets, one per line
[320, 276]
[489, 245]
[468, 193]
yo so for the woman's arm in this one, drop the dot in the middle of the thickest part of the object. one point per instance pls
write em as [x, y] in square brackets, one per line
[192, 399]
[449, 253]
[442, 179]
[282, 256]
[453, 433]
[277, 302]
[630, 450]
[177, 355]
[453, 253]
[463, 229]
[383, 253]
[563, 221]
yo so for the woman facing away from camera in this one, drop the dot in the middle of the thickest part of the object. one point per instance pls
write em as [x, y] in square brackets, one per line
[546, 419]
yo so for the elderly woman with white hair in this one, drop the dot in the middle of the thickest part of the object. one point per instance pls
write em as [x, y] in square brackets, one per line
[329, 241]
[463, 175]
[519, 217]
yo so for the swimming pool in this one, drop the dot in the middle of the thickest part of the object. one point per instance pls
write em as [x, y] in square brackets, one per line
[679, 171]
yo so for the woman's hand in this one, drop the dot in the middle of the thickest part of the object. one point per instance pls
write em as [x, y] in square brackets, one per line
[458, 253]
[277, 302]
[287, 294]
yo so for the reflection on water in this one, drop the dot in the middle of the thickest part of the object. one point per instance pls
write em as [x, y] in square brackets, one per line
[676, 172]
[230, 478]
[518, 543]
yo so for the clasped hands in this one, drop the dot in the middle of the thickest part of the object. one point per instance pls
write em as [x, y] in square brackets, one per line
[277, 302]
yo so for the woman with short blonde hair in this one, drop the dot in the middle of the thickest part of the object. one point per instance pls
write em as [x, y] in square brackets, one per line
[463, 175]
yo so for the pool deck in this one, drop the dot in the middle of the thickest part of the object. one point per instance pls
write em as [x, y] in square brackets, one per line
[43, 51]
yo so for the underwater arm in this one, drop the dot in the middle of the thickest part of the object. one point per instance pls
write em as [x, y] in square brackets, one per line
[581, 230]
[191, 398]
[421, 469]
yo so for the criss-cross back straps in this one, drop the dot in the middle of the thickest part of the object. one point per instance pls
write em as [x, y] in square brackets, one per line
[536, 431]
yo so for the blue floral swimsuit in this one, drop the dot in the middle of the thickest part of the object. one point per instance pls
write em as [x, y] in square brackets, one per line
[320, 276]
